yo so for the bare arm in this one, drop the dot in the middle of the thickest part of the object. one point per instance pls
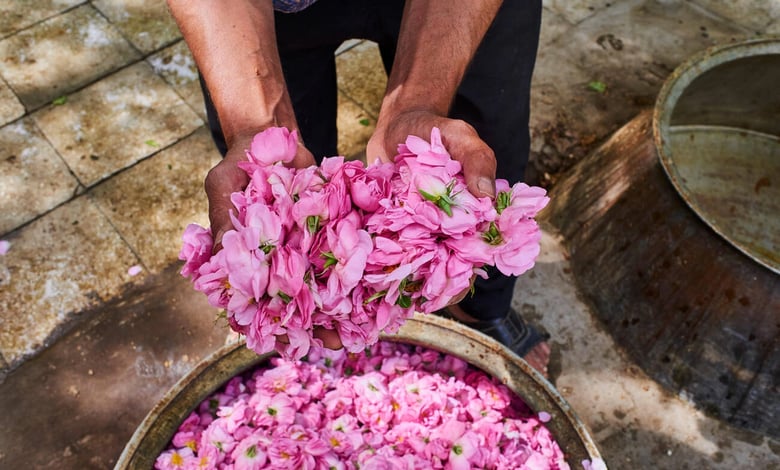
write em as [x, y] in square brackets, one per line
[436, 43]
[234, 46]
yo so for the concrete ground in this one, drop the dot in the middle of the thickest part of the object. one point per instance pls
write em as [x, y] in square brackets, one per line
[102, 155]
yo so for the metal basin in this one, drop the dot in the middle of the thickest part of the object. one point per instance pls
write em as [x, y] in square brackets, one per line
[673, 225]
[158, 428]
[717, 128]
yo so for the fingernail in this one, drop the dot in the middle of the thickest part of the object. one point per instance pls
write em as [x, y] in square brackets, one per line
[485, 186]
[218, 236]
[217, 242]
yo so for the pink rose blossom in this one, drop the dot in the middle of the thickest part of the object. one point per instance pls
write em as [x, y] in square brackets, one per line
[196, 249]
[275, 144]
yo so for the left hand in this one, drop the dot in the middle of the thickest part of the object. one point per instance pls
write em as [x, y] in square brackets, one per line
[459, 138]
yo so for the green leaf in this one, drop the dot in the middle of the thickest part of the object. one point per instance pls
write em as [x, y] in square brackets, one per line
[404, 301]
[364, 122]
[286, 298]
[493, 236]
[445, 206]
[152, 143]
[597, 86]
[60, 101]
[330, 260]
[503, 200]
[313, 223]
[428, 196]
[376, 296]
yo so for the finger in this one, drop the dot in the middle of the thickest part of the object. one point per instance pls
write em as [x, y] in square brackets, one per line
[479, 171]
[303, 158]
[330, 338]
[376, 148]
[462, 295]
[222, 181]
[479, 167]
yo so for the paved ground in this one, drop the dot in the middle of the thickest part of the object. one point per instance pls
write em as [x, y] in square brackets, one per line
[102, 155]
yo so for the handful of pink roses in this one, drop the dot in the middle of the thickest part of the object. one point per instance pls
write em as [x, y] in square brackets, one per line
[352, 248]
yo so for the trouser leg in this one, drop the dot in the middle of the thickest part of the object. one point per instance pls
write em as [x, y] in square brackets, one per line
[494, 97]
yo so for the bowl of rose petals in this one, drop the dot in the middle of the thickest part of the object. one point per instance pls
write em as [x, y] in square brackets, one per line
[435, 394]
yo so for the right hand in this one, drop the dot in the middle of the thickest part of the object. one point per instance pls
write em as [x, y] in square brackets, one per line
[226, 178]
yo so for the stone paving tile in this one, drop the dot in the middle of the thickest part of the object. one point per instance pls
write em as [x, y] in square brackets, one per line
[553, 25]
[177, 67]
[146, 23]
[355, 127]
[79, 401]
[33, 178]
[115, 122]
[575, 11]
[362, 77]
[19, 14]
[754, 14]
[152, 203]
[62, 54]
[621, 49]
[348, 44]
[57, 266]
[10, 106]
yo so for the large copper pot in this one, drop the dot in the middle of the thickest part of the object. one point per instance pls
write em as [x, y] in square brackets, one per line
[673, 228]
[158, 428]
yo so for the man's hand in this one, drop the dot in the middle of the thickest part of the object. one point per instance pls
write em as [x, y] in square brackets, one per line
[226, 178]
[235, 49]
[436, 43]
[459, 138]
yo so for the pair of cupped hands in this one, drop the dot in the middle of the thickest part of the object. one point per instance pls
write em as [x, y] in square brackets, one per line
[459, 138]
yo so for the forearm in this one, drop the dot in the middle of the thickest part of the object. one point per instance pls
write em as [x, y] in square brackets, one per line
[234, 46]
[436, 42]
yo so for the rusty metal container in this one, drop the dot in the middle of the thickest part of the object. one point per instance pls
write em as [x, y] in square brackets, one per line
[673, 228]
[159, 426]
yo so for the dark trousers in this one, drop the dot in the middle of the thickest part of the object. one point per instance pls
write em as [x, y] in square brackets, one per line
[493, 96]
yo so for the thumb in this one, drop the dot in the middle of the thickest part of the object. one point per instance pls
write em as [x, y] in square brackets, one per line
[222, 181]
[376, 148]
[303, 157]
[479, 168]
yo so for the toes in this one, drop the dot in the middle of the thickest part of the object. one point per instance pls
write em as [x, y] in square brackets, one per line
[539, 357]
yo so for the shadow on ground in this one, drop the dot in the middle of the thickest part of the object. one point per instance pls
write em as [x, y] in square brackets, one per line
[77, 403]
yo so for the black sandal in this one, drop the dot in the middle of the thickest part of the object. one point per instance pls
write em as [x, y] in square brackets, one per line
[511, 331]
